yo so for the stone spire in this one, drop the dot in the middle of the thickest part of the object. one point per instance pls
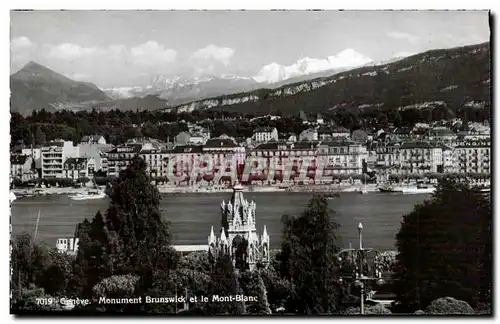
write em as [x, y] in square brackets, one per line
[212, 238]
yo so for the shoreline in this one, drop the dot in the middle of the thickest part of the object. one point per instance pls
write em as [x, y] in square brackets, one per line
[208, 190]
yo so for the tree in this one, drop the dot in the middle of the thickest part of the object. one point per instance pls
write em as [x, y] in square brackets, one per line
[278, 289]
[308, 258]
[132, 238]
[444, 248]
[94, 260]
[34, 300]
[140, 238]
[55, 277]
[369, 310]
[40, 138]
[118, 286]
[28, 261]
[253, 285]
[224, 282]
[449, 306]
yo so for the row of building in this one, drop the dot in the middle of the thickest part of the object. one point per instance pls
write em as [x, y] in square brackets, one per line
[435, 150]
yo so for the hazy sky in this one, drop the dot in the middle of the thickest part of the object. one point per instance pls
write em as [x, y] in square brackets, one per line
[115, 48]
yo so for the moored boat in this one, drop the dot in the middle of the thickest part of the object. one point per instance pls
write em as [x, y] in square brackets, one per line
[419, 190]
[389, 188]
[91, 194]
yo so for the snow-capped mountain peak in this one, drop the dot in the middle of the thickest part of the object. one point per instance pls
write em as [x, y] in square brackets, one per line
[348, 58]
[272, 73]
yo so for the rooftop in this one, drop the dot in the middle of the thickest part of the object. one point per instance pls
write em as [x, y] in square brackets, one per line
[219, 142]
[75, 161]
[187, 149]
[417, 145]
[264, 129]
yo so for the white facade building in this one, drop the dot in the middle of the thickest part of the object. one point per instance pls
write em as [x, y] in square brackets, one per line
[265, 134]
[53, 157]
[76, 168]
[473, 156]
[67, 245]
[343, 156]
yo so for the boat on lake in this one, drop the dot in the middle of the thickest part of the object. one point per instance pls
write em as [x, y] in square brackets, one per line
[389, 188]
[419, 189]
[91, 194]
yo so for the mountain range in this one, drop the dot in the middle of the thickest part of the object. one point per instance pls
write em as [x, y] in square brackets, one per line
[35, 87]
[347, 79]
[177, 90]
[452, 77]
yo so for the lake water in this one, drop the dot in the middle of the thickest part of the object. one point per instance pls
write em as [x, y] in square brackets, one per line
[191, 215]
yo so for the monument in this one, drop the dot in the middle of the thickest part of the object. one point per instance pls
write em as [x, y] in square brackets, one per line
[238, 237]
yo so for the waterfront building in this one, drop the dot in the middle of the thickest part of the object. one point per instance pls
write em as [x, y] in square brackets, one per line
[224, 148]
[265, 134]
[419, 157]
[93, 139]
[185, 157]
[152, 153]
[387, 157]
[98, 152]
[76, 168]
[54, 155]
[35, 153]
[343, 156]
[285, 153]
[121, 156]
[450, 161]
[473, 155]
[238, 237]
[155, 157]
[21, 167]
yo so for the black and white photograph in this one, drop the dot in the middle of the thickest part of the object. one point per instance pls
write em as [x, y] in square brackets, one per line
[251, 163]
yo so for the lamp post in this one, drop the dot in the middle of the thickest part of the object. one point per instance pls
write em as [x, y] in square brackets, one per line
[359, 256]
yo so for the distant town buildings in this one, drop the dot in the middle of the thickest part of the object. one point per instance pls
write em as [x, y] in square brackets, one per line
[93, 139]
[445, 147]
[21, 167]
[265, 134]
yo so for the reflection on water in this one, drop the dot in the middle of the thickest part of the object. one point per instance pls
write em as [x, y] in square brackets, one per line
[191, 215]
